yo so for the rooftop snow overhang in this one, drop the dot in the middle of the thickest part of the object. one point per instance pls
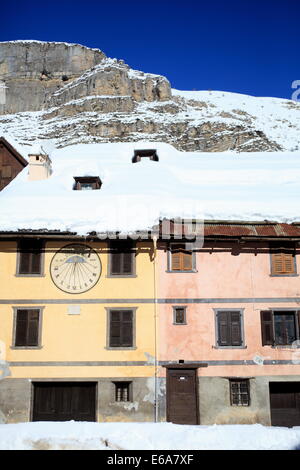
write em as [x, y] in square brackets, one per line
[212, 230]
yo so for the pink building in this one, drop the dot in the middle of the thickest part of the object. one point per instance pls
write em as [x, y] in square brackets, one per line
[229, 326]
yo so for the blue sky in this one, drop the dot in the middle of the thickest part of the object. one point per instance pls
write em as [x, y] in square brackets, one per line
[245, 46]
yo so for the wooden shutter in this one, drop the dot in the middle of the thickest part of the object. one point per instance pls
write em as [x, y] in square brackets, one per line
[187, 261]
[223, 329]
[121, 328]
[116, 263]
[30, 257]
[181, 260]
[27, 327]
[21, 328]
[115, 328]
[33, 328]
[229, 328]
[127, 262]
[127, 328]
[235, 326]
[122, 258]
[283, 263]
[267, 332]
[176, 260]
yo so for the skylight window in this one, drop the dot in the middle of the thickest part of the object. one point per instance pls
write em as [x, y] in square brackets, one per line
[145, 153]
[87, 183]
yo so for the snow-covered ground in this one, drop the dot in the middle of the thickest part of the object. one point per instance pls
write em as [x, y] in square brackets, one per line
[145, 436]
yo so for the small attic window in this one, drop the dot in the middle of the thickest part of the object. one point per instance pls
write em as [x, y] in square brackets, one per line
[144, 153]
[86, 183]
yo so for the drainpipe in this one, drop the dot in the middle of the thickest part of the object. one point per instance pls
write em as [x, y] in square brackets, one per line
[155, 331]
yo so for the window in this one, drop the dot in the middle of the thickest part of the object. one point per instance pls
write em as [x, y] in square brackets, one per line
[181, 259]
[179, 315]
[84, 183]
[283, 260]
[29, 257]
[229, 328]
[122, 391]
[27, 327]
[279, 327]
[239, 392]
[144, 153]
[121, 328]
[122, 259]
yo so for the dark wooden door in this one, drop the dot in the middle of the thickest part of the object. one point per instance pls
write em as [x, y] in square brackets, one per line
[285, 403]
[182, 396]
[64, 401]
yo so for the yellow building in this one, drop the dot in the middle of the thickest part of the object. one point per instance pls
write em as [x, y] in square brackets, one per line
[77, 328]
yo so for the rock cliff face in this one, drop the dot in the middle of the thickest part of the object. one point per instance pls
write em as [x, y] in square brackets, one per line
[70, 93]
[34, 70]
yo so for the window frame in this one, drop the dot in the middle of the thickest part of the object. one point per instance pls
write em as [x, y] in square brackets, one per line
[129, 385]
[108, 326]
[14, 335]
[169, 258]
[94, 181]
[274, 311]
[241, 311]
[233, 380]
[42, 260]
[281, 250]
[184, 308]
[133, 261]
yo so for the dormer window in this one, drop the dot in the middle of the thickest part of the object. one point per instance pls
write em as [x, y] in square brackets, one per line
[86, 183]
[145, 153]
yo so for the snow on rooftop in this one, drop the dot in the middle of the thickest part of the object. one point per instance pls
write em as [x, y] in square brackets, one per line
[214, 186]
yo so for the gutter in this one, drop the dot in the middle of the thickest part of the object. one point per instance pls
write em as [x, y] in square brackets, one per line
[155, 331]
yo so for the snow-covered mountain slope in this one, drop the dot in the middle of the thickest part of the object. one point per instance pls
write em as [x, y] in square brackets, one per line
[98, 99]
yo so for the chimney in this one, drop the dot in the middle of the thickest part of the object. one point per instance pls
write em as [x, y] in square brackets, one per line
[39, 167]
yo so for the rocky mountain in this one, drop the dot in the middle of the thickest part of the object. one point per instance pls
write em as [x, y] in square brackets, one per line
[70, 93]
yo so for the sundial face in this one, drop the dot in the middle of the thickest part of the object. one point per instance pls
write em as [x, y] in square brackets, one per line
[76, 268]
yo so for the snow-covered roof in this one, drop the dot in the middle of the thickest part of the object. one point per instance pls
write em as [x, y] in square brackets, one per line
[211, 186]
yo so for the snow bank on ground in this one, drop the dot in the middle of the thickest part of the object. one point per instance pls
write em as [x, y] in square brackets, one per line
[145, 436]
[219, 186]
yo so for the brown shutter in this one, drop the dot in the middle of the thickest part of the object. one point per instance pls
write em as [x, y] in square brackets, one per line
[127, 328]
[24, 267]
[223, 329]
[115, 328]
[21, 328]
[187, 261]
[27, 328]
[122, 258]
[30, 257]
[267, 334]
[181, 260]
[36, 260]
[127, 263]
[236, 332]
[33, 328]
[176, 261]
[115, 263]
[283, 263]
[289, 263]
